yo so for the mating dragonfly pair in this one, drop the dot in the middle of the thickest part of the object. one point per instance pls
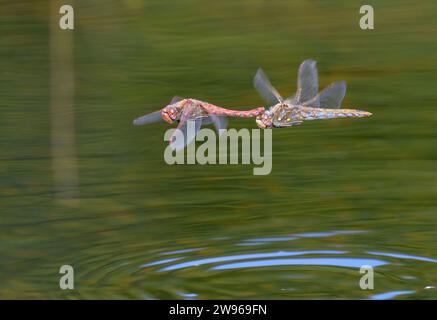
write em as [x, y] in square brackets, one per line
[306, 104]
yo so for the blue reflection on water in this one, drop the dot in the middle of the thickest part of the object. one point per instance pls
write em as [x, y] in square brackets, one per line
[250, 243]
[199, 262]
[160, 262]
[402, 256]
[181, 251]
[188, 296]
[338, 262]
[328, 233]
[390, 295]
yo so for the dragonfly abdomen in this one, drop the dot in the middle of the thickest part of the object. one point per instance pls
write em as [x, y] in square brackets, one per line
[235, 113]
[322, 113]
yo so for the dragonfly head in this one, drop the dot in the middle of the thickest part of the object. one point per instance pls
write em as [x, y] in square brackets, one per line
[169, 114]
[265, 120]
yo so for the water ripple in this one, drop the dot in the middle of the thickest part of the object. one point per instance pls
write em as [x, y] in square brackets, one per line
[181, 251]
[402, 256]
[390, 295]
[160, 262]
[337, 262]
[296, 236]
[200, 262]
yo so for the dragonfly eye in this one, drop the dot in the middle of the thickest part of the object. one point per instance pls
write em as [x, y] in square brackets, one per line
[166, 116]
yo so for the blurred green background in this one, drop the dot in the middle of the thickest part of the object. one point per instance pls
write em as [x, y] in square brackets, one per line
[340, 190]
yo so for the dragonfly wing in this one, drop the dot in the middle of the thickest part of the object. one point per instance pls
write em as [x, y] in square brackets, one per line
[176, 99]
[307, 82]
[330, 97]
[148, 118]
[292, 100]
[185, 134]
[220, 122]
[187, 129]
[154, 116]
[265, 88]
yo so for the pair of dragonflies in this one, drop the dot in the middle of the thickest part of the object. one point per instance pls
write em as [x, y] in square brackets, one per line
[306, 104]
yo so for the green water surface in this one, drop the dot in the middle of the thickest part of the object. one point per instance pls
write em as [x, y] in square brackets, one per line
[342, 193]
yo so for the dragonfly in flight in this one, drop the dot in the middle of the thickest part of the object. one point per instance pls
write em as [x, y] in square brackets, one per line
[200, 112]
[306, 104]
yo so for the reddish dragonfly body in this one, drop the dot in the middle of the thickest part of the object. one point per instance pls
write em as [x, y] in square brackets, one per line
[184, 110]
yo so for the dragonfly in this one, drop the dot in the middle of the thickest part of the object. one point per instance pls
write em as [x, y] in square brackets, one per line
[306, 103]
[186, 110]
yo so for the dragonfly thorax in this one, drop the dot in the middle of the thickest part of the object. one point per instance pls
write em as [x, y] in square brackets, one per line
[283, 114]
[265, 120]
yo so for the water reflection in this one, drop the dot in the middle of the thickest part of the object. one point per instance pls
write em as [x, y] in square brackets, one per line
[181, 251]
[252, 259]
[188, 296]
[164, 261]
[336, 262]
[141, 227]
[390, 295]
[329, 233]
[261, 240]
[403, 256]
[269, 239]
[200, 262]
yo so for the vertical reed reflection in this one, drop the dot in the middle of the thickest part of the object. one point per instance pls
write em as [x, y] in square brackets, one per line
[65, 177]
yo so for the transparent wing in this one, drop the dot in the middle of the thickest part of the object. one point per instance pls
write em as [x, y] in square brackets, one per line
[265, 88]
[154, 116]
[186, 133]
[176, 99]
[330, 97]
[220, 122]
[307, 82]
[187, 129]
[148, 118]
